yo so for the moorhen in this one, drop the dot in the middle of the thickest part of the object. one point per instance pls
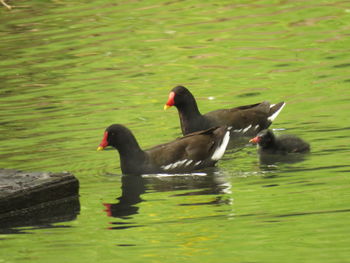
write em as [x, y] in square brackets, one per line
[245, 120]
[269, 143]
[194, 151]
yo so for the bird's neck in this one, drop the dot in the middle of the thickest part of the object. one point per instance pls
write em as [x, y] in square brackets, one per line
[130, 153]
[189, 114]
[271, 145]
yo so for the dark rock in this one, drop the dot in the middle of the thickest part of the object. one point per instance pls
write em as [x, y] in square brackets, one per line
[30, 198]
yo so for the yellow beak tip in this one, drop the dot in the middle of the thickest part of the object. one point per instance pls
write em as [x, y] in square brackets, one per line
[166, 107]
[100, 148]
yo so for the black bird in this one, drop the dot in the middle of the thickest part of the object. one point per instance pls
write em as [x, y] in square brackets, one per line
[186, 154]
[283, 144]
[245, 120]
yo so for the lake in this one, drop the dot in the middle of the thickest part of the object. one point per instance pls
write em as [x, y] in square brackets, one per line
[69, 69]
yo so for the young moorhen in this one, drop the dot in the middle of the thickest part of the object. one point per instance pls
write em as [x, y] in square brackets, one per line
[269, 143]
[194, 151]
[245, 120]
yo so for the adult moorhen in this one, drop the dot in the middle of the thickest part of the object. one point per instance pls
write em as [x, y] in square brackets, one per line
[194, 151]
[269, 143]
[245, 120]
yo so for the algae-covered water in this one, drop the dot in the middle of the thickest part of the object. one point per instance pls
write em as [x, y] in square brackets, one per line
[69, 69]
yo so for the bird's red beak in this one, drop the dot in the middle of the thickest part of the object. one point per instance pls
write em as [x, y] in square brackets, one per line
[170, 101]
[255, 140]
[104, 142]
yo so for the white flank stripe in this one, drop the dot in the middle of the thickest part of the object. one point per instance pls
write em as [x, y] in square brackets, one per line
[166, 167]
[273, 116]
[247, 128]
[220, 150]
[237, 130]
[188, 162]
[180, 163]
[174, 165]
[256, 127]
[197, 163]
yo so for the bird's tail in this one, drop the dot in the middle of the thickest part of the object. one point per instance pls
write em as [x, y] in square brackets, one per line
[275, 109]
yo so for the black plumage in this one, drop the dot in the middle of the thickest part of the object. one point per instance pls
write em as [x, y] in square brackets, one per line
[245, 120]
[283, 144]
[186, 154]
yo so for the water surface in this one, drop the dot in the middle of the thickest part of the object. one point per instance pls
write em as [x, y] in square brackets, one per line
[70, 69]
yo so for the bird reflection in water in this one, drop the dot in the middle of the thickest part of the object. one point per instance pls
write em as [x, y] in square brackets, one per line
[210, 182]
[132, 188]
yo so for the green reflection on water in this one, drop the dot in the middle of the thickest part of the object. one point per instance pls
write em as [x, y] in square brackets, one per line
[70, 69]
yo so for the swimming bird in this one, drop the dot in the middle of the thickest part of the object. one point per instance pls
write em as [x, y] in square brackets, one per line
[245, 120]
[186, 154]
[269, 143]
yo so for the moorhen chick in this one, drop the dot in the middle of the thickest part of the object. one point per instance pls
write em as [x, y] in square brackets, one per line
[269, 143]
[245, 120]
[186, 154]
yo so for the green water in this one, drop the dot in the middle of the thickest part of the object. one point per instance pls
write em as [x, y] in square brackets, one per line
[69, 69]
